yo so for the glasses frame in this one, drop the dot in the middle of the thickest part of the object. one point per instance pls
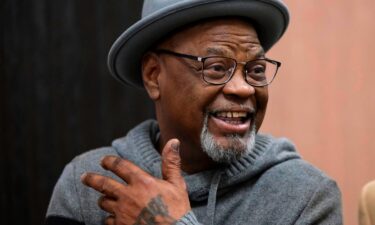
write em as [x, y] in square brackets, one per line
[202, 59]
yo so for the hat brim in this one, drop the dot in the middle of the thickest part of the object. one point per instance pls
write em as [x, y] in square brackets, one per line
[270, 18]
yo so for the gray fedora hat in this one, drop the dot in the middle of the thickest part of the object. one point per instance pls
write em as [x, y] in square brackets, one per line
[161, 17]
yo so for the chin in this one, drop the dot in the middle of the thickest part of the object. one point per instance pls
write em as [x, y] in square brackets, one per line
[228, 148]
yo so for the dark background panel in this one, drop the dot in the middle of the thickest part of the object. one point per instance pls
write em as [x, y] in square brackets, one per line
[57, 97]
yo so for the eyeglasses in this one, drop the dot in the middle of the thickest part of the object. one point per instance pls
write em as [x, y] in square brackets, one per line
[219, 70]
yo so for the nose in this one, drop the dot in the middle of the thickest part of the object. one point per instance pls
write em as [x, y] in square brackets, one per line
[237, 85]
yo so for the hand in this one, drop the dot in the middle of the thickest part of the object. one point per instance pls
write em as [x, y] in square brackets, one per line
[144, 199]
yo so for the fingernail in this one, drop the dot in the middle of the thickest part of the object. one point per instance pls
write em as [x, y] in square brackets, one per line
[101, 160]
[176, 146]
[83, 176]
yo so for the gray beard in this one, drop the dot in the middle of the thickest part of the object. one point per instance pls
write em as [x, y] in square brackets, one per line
[236, 149]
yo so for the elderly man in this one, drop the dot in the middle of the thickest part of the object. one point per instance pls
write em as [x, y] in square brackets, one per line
[203, 64]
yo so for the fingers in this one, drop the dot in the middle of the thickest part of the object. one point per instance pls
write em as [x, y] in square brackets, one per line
[171, 165]
[107, 204]
[123, 168]
[104, 185]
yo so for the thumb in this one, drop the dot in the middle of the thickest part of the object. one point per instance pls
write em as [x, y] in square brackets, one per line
[171, 165]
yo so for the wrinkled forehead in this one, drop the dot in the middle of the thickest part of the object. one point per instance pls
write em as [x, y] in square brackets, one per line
[201, 28]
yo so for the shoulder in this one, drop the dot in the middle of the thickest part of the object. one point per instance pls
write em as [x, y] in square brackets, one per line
[86, 162]
[319, 194]
[298, 172]
[288, 172]
[70, 196]
[90, 161]
[287, 166]
[307, 194]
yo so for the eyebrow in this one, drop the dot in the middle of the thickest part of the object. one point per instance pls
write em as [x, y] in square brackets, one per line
[217, 51]
[224, 52]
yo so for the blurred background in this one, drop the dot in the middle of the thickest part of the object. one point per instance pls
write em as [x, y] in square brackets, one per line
[324, 97]
[58, 100]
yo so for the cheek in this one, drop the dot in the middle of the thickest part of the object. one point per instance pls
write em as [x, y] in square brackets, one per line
[181, 98]
[193, 102]
[188, 91]
[261, 96]
[185, 93]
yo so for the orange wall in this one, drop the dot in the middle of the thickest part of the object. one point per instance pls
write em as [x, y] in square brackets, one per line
[324, 96]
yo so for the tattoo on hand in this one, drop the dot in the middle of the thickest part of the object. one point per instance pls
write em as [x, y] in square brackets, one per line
[155, 213]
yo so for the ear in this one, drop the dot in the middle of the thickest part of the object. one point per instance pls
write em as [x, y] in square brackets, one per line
[150, 75]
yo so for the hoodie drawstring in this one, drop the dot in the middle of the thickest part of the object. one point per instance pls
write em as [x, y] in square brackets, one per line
[211, 202]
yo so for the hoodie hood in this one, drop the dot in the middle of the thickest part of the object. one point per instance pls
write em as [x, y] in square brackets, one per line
[139, 147]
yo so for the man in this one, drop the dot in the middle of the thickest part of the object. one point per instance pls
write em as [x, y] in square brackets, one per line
[203, 64]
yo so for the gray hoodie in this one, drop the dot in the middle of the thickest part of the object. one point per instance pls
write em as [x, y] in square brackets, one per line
[271, 185]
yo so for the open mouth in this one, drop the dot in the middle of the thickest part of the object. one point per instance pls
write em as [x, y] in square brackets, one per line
[231, 121]
[232, 117]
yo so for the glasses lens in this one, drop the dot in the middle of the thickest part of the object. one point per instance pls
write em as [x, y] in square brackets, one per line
[260, 72]
[217, 70]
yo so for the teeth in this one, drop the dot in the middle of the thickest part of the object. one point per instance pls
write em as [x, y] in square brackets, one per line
[242, 114]
[232, 114]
